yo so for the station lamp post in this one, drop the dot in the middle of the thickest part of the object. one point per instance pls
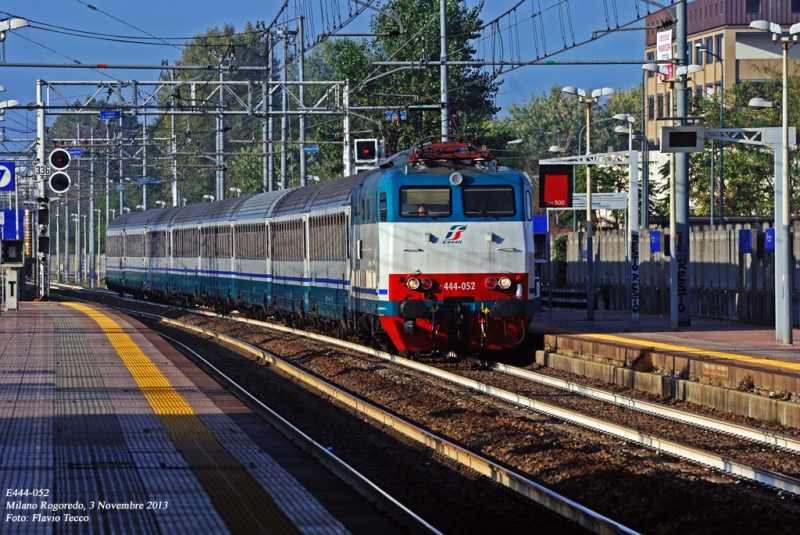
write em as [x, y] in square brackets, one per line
[162, 204]
[77, 220]
[783, 244]
[589, 101]
[210, 198]
[237, 191]
[701, 46]
[8, 25]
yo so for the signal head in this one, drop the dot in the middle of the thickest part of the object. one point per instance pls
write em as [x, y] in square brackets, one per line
[59, 182]
[59, 159]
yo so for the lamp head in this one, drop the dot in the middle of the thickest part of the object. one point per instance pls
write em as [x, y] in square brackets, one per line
[760, 104]
[603, 92]
[628, 118]
[572, 90]
[556, 149]
[766, 26]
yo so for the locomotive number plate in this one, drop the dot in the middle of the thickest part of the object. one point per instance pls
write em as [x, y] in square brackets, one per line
[458, 286]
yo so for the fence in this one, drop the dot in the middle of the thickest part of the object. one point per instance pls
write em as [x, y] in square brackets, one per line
[724, 281]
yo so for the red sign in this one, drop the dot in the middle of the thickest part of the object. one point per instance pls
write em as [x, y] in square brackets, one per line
[555, 186]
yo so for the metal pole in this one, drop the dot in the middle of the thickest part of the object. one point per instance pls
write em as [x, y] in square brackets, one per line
[108, 167]
[41, 256]
[58, 240]
[301, 78]
[721, 144]
[90, 258]
[66, 240]
[783, 246]
[220, 142]
[270, 134]
[589, 244]
[121, 172]
[711, 202]
[284, 108]
[444, 76]
[144, 161]
[347, 154]
[175, 192]
[679, 289]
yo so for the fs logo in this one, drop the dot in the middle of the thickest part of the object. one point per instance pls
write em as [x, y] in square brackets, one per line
[454, 234]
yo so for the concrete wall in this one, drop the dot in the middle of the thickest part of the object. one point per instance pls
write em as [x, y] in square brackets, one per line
[702, 392]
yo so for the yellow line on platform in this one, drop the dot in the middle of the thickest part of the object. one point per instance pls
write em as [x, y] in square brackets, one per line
[239, 499]
[662, 346]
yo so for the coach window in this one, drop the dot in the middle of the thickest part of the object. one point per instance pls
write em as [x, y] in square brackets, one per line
[425, 202]
[491, 201]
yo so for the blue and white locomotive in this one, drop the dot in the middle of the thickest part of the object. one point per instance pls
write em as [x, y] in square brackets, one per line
[434, 252]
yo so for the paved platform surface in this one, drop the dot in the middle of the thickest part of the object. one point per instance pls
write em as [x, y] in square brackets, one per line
[100, 432]
[708, 338]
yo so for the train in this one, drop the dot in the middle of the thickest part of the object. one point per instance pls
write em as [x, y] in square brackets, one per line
[431, 252]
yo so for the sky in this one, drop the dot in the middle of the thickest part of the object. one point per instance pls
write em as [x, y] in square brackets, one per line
[187, 18]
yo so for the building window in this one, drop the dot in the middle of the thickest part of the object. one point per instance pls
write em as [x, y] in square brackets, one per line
[689, 54]
[651, 108]
[709, 49]
[719, 47]
[709, 91]
[699, 53]
[753, 7]
[650, 57]
[698, 92]
[795, 6]
[660, 106]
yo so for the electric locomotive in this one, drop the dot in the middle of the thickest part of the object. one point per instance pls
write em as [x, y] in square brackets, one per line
[433, 251]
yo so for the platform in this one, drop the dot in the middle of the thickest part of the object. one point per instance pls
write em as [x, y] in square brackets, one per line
[744, 362]
[100, 432]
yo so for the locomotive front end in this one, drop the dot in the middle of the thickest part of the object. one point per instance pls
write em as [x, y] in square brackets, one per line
[457, 260]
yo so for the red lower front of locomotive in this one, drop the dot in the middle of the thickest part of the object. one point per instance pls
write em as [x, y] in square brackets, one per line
[458, 312]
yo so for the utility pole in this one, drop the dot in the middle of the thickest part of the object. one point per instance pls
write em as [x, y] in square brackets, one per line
[90, 243]
[445, 81]
[144, 162]
[175, 193]
[347, 154]
[301, 76]
[679, 263]
[108, 167]
[269, 132]
[284, 106]
[220, 142]
[42, 200]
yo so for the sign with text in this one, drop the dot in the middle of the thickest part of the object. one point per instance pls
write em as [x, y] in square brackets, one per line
[602, 201]
[664, 51]
[106, 114]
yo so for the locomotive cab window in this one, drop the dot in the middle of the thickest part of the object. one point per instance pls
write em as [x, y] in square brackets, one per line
[425, 202]
[491, 201]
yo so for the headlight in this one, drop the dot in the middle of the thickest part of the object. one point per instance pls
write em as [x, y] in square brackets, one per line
[505, 283]
[426, 284]
[412, 283]
[491, 283]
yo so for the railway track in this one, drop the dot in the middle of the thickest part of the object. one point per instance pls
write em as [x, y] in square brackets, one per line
[607, 432]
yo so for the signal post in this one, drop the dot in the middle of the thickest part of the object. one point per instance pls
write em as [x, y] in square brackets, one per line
[49, 172]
